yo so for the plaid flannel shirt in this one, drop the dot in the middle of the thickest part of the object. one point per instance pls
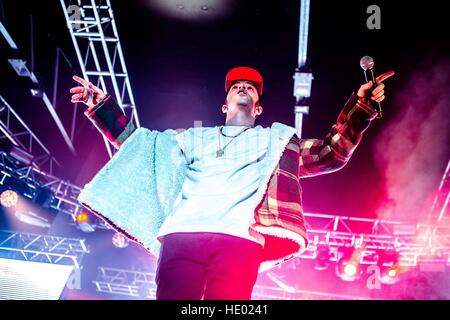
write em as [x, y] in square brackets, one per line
[279, 216]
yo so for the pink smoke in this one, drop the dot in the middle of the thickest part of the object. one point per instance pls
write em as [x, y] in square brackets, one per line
[412, 149]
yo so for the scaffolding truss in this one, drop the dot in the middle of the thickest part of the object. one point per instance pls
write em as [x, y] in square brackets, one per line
[25, 143]
[126, 282]
[262, 292]
[96, 41]
[142, 285]
[439, 209]
[42, 248]
[64, 193]
[413, 242]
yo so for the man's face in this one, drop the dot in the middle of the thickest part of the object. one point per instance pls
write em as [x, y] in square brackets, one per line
[243, 96]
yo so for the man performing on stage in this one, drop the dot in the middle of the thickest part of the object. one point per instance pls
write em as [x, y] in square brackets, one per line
[216, 204]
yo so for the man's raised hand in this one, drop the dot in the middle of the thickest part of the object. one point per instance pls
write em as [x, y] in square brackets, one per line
[378, 92]
[88, 93]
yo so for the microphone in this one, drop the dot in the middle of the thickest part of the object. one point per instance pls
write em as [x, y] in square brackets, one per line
[366, 64]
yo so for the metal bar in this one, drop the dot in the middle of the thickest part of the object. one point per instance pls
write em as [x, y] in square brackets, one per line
[303, 33]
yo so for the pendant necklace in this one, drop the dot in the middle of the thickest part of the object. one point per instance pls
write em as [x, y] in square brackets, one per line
[220, 152]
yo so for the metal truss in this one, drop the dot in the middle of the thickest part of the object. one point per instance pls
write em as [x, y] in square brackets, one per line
[126, 282]
[64, 193]
[413, 242]
[37, 92]
[96, 41]
[42, 248]
[302, 78]
[22, 70]
[442, 199]
[26, 143]
[142, 285]
[261, 292]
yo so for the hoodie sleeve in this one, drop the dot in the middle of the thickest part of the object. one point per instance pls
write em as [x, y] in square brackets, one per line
[334, 151]
[111, 121]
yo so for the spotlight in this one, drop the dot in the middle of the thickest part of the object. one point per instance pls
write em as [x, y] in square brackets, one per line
[322, 258]
[350, 269]
[348, 264]
[82, 217]
[389, 266]
[392, 272]
[9, 198]
[119, 240]
[390, 275]
[83, 222]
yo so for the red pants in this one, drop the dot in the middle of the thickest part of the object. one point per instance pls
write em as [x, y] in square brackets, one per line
[211, 266]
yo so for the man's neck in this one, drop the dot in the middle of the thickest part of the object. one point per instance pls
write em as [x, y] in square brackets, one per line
[240, 120]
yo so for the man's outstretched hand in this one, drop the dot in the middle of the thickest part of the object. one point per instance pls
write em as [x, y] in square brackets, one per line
[88, 93]
[378, 92]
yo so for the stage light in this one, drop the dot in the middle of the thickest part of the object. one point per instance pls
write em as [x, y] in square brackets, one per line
[193, 10]
[82, 217]
[389, 266]
[322, 258]
[350, 269]
[392, 272]
[348, 265]
[83, 222]
[9, 198]
[390, 275]
[119, 240]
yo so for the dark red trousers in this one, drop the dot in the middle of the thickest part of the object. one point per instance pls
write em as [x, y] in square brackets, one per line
[211, 266]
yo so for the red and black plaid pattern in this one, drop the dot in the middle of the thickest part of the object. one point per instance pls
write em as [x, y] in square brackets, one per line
[333, 152]
[281, 208]
[109, 118]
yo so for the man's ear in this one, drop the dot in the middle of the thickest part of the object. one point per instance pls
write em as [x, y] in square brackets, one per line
[225, 108]
[258, 110]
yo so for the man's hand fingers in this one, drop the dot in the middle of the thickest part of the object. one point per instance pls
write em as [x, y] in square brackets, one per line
[384, 76]
[378, 89]
[367, 85]
[81, 81]
[380, 99]
[378, 95]
[77, 98]
[77, 90]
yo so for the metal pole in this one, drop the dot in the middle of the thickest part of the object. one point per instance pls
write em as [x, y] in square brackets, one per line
[302, 79]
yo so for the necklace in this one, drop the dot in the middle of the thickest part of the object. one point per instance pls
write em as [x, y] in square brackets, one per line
[220, 152]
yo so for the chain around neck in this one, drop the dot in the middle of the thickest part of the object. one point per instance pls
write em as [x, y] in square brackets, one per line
[242, 131]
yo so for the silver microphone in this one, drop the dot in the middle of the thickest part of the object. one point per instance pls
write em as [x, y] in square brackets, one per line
[367, 64]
